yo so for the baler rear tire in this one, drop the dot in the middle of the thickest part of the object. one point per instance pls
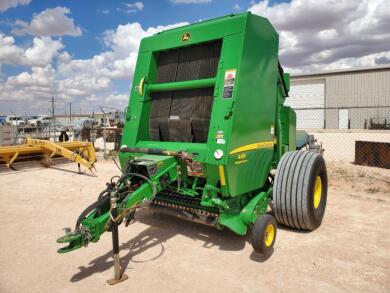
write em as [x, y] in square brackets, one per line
[300, 190]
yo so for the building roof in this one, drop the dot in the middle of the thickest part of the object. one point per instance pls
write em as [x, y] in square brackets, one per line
[343, 71]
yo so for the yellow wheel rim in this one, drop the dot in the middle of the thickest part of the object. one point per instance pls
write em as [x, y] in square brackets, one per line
[317, 192]
[269, 234]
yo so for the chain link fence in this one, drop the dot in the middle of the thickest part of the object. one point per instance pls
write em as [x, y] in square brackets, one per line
[359, 135]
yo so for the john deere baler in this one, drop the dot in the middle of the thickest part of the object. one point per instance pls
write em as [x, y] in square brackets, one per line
[207, 137]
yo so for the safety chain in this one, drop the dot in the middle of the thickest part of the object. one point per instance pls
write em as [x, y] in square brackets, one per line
[84, 231]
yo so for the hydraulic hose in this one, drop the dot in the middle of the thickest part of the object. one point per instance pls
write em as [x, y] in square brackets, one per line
[102, 193]
[102, 199]
[150, 182]
[90, 209]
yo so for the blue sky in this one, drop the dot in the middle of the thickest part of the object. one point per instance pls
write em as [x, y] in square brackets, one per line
[85, 51]
[95, 17]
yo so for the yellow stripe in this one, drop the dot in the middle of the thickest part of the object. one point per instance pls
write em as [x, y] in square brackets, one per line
[222, 175]
[140, 86]
[253, 146]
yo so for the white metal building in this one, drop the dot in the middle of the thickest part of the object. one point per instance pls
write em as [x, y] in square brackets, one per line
[341, 99]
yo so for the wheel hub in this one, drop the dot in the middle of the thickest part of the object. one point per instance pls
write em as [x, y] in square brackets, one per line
[317, 192]
[269, 235]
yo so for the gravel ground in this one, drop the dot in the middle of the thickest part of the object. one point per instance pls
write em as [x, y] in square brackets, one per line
[350, 252]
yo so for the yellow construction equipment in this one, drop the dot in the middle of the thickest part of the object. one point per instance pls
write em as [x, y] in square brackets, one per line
[82, 153]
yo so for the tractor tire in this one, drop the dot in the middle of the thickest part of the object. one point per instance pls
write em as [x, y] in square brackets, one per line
[264, 234]
[300, 190]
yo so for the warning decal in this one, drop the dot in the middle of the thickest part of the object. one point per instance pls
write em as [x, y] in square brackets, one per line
[228, 83]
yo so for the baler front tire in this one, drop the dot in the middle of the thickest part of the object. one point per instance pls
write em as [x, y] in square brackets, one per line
[264, 234]
[300, 190]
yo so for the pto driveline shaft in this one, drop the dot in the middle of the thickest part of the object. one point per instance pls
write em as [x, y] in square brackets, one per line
[150, 151]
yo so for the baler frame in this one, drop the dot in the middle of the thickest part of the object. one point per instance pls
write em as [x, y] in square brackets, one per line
[229, 180]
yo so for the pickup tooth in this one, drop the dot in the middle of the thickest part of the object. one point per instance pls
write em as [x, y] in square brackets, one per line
[182, 202]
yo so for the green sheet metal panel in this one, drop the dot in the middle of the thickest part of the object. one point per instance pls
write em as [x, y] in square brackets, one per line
[288, 118]
[254, 114]
[137, 118]
[247, 118]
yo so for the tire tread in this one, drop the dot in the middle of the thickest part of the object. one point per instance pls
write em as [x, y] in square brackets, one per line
[291, 189]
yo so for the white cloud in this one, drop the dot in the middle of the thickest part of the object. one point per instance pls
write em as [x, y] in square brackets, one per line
[119, 61]
[190, 1]
[6, 4]
[40, 77]
[81, 80]
[50, 22]
[82, 85]
[25, 91]
[134, 7]
[237, 7]
[42, 52]
[9, 52]
[328, 34]
[321, 35]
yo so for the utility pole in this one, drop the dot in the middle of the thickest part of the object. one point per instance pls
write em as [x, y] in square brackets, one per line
[53, 119]
[70, 113]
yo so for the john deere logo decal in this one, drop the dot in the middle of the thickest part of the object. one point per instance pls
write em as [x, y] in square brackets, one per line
[185, 37]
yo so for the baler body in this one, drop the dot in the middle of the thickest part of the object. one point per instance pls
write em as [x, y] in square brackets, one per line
[214, 90]
[208, 139]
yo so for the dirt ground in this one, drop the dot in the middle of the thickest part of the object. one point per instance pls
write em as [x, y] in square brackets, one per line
[350, 252]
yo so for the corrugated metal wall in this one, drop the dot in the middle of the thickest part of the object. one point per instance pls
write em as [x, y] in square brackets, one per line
[356, 90]
[308, 94]
[366, 95]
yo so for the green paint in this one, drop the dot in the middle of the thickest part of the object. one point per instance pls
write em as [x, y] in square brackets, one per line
[181, 85]
[254, 114]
